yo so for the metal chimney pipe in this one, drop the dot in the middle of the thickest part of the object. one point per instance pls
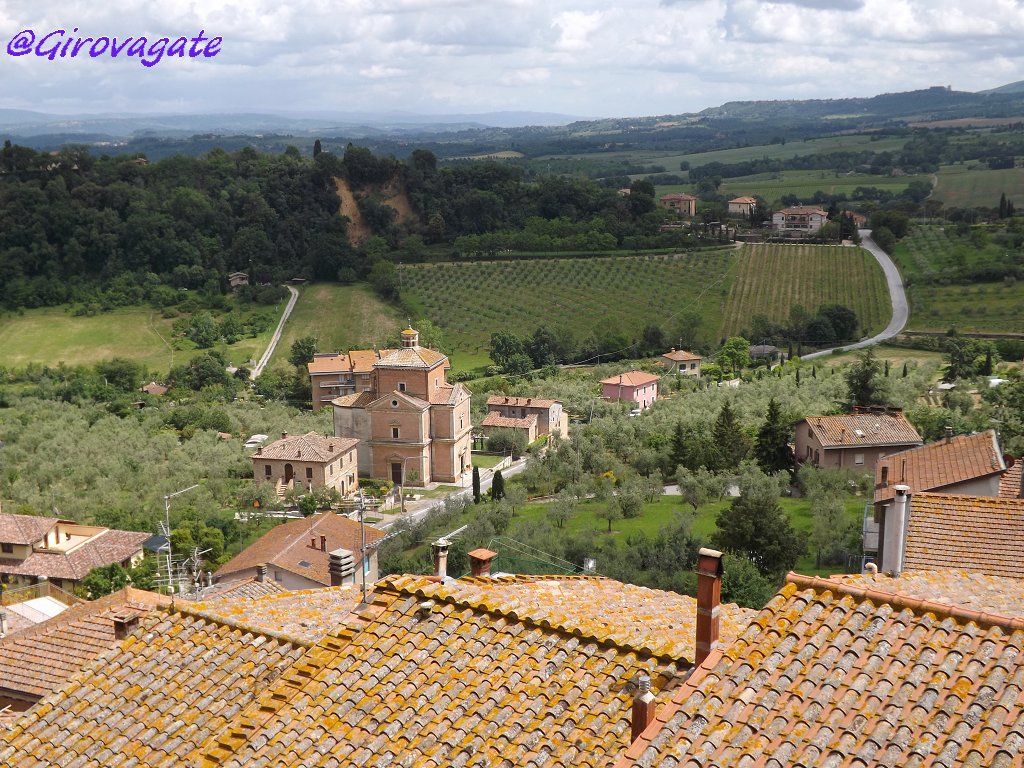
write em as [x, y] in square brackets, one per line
[896, 517]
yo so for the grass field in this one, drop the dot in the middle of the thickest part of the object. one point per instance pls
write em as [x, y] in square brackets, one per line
[980, 307]
[770, 279]
[341, 317]
[472, 300]
[964, 186]
[52, 335]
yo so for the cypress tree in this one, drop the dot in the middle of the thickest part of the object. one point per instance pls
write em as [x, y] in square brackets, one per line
[772, 446]
[498, 487]
[476, 485]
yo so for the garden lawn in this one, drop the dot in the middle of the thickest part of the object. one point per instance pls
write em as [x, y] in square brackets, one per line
[486, 461]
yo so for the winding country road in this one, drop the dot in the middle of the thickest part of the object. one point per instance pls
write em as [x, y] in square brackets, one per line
[277, 333]
[897, 296]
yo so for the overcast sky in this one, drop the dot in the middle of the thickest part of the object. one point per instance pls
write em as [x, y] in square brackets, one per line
[585, 58]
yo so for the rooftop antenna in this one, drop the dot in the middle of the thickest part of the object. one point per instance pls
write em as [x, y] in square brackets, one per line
[166, 529]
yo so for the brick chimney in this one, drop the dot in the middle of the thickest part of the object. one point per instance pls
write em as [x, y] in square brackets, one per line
[480, 561]
[124, 625]
[261, 572]
[323, 543]
[284, 435]
[439, 549]
[894, 533]
[709, 596]
[643, 708]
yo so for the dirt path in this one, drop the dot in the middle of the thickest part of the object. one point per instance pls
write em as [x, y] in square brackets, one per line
[357, 231]
[277, 333]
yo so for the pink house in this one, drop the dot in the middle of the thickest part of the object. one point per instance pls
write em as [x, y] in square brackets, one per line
[634, 387]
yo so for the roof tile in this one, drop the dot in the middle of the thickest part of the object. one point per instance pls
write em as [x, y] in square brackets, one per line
[939, 464]
[863, 429]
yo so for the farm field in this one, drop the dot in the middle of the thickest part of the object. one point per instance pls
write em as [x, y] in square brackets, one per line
[773, 186]
[933, 253]
[341, 317]
[979, 307]
[962, 186]
[671, 160]
[470, 301]
[771, 278]
[52, 335]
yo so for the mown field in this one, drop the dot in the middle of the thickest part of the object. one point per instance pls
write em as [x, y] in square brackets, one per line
[966, 186]
[470, 301]
[53, 335]
[772, 278]
[773, 186]
[341, 317]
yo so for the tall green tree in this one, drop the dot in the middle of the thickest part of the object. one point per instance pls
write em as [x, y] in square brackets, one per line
[498, 486]
[771, 449]
[476, 485]
[735, 353]
[730, 441]
[302, 351]
[862, 380]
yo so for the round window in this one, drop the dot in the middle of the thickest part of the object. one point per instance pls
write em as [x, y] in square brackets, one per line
[394, 403]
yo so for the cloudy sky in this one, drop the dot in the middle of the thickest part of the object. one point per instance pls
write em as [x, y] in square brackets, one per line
[586, 58]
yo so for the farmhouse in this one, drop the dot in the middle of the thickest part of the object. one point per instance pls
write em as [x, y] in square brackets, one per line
[632, 387]
[238, 279]
[298, 554]
[61, 551]
[412, 425]
[551, 418]
[680, 202]
[681, 362]
[801, 218]
[857, 440]
[742, 206]
[308, 462]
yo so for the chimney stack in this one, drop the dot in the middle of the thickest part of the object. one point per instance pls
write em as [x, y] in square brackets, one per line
[261, 572]
[895, 541]
[341, 567]
[949, 433]
[643, 708]
[439, 549]
[284, 435]
[323, 543]
[480, 561]
[312, 542]
[709, 596]
[124, 625]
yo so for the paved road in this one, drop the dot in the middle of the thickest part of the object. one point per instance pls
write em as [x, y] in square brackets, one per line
[898, 298]
[277, 333]
[417, 509]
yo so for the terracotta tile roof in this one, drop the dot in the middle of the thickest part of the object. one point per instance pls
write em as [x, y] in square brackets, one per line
[363, 360]
[243, 588]
[466, 682]
[940, 464]
[330, 363]
[449, 394]
[681, 356]
[802, 210]
[109, 547]
[1011, 484]
[836, 675]
[307, 447]
[308, 614]
[660, 623]
[154, 698]
[412, 357]
[153, 388]
[355, 400]
[677, 196]
[287, 546]
[632, 379]
[951, 587]
[495, 419]
[39, 660]
[983, 534]
[24, 529]
[745, 200]
[521, 402]
[867, 429]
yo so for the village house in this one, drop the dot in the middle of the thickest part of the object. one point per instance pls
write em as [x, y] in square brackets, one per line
[308, 462]
[237, 279]
[742, 206]
[61, 551]
[681, 362]
[546, 416]
[971, 465]
[632, 387]
[333, 375]
[800, 218]
[413, 426]
[856, 440]
[680, 202]
[298, 554]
